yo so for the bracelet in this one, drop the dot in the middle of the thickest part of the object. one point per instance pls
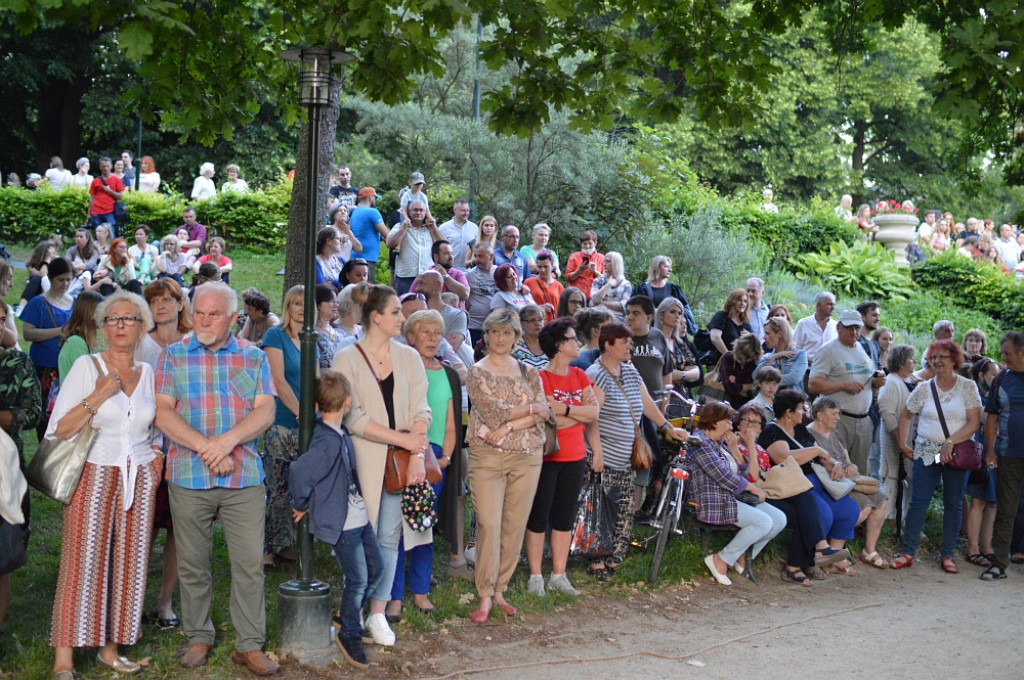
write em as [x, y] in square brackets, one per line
[419, 455]
[88, 408]
[664, 426]
[566, 410]
[508, 424]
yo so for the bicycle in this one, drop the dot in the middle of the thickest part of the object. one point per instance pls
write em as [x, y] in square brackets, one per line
[669, 510]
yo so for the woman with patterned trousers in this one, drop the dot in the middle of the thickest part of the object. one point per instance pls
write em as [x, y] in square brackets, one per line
[106, 531]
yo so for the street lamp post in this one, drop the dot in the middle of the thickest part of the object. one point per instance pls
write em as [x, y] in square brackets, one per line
[304, 604]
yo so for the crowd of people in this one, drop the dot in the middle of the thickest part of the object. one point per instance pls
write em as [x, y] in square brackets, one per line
[497, 373]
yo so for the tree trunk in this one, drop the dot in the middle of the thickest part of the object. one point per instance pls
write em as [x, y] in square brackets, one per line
[295, 258]
[857, 162]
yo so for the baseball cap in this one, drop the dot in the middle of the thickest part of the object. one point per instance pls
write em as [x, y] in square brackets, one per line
[416, 178]
[367, 192]
[850, 317]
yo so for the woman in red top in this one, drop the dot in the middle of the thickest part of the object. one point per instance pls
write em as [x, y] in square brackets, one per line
[572, 397]
[215, 254]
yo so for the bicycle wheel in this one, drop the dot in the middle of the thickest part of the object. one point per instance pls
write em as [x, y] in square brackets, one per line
[668, 519]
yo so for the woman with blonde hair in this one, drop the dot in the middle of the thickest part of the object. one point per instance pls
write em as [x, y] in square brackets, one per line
[611, 289]
[975, 346]
[488, 233]
[107, 526]
[730, 322]
[235, 184]
[658, 287]
[281, 344]
[791, 362]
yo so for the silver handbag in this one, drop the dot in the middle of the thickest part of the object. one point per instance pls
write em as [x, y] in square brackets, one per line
[57, 466]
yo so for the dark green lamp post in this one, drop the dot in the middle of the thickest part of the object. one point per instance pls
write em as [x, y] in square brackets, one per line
[304, 604]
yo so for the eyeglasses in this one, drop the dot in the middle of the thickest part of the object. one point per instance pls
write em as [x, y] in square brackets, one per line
[939, 357]
[751, 421]
[118, 320]
[572, 338]
[412, 296]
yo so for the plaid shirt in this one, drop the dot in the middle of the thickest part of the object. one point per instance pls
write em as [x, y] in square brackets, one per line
[713, 484]
[213, 392]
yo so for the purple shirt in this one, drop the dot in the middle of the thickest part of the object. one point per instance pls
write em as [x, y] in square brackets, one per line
[454, 274]
[196, 232]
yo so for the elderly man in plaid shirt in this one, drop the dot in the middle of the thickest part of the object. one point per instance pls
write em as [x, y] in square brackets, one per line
[214, 399]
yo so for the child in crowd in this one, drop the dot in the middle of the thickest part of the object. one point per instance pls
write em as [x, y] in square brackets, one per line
[767, 383]
[323, 482]
[585, 264]
[415, 193]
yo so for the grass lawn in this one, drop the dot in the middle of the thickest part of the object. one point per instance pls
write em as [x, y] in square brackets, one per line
[24, 640]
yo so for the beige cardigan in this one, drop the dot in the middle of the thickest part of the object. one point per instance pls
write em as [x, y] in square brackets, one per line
[411, 406]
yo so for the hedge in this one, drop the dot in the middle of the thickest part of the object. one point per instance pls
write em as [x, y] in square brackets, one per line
[258, 218]
[975, 285]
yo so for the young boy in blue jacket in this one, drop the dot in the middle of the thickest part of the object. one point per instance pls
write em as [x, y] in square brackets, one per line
[323, 483]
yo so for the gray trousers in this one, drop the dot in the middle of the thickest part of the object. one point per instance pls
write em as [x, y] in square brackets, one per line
[1009, 481]
[241, 515]
[855, 434]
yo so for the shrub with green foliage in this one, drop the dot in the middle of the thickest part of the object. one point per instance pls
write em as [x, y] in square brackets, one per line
[912, 319]
[258, 218]
[977, 285]
[863, 270]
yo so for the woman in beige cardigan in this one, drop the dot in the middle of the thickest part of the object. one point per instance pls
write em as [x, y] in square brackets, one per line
[389, 407]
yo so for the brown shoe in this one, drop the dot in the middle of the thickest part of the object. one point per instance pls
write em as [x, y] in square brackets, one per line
[196, 655]
[256, 661]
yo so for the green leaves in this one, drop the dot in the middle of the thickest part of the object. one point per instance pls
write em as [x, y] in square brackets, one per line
[863, 271]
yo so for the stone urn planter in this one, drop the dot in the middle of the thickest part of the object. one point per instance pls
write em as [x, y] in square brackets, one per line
[895, 231]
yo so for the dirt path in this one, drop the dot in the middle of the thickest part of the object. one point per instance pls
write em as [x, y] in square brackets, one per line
[913, 624]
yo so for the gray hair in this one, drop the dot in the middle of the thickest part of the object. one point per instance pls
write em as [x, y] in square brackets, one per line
[824, 295]
[899, 355]
[756, 281]
[226, 292]
[823, 403]
[941, 324]
[137, 301]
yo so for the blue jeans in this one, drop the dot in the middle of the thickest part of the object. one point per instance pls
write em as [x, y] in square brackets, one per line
[421, 558]
[389, 535]
[106, 218]
[926, 478]
[403, 284]
[362, 564]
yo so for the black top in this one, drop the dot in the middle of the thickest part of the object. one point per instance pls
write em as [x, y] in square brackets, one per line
[730, 329]
[802, 436]
[387, 387]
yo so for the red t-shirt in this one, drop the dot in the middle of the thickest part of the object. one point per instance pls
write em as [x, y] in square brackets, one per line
[102, 202]
[567, 389]
[586, 278]
[543, 295]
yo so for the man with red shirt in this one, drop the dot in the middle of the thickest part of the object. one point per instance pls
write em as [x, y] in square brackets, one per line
[104, 192]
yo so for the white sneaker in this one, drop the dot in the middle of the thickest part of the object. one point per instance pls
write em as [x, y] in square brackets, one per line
[535, 586]
[470, 554]
[380, 631]
[560, 583]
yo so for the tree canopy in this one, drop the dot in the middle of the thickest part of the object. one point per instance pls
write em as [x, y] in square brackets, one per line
[206, 68]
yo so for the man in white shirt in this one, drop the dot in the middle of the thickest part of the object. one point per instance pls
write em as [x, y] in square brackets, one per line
[1006, 244]
[414, 235]
[460, 232]
[815, 331]
[844, 372]
[758, 307]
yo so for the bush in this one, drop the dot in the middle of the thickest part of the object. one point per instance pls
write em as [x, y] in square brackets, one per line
[258, 218]
[975, 285]
[862, 270]
[912, 319]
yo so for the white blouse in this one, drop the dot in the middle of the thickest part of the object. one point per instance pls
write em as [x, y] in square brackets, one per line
[149, 182]
[203, 188]
[125, 424]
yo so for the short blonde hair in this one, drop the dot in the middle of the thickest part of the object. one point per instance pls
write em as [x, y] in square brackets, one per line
[136, 301]
[286, 306]
[503, 318]
[779, 325]
[423, 317]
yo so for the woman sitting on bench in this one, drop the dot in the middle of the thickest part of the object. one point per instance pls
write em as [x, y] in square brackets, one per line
[718, 477]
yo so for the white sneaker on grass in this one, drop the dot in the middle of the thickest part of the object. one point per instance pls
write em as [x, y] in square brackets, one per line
[380, 631]
[560, 583]
[470, 554]
[535, 586]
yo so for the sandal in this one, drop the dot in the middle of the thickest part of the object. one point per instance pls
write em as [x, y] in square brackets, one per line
[816, 573]
[507, 609]
[598, 571]
[993, 573]
[904, 561]
[979, 560]
[949, 566]
[874, 559]
[798, 577]
[843, 567]
[611, 566]
[829, 556]
[1017, 558]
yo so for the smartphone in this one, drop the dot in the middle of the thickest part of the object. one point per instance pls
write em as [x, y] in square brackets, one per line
[484, 430]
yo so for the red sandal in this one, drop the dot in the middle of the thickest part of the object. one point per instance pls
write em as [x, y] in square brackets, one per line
[902, 562]
[949, 566]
